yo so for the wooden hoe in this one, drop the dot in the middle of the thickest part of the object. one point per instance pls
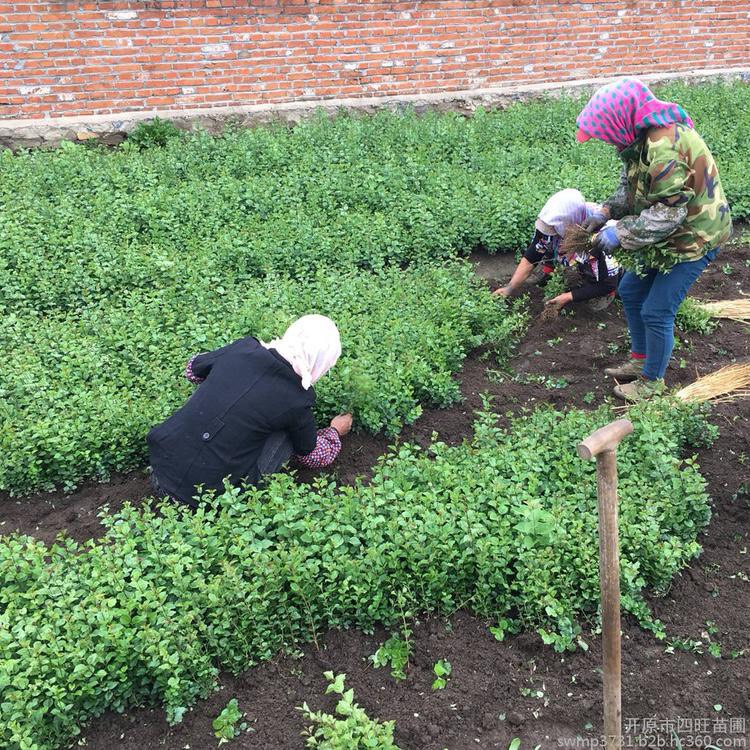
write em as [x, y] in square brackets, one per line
[602, 445]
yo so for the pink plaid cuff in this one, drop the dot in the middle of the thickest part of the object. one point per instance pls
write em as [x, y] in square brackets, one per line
[325, 452]
[189, 374]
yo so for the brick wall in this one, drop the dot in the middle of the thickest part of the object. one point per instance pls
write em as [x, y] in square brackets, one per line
[82, 58]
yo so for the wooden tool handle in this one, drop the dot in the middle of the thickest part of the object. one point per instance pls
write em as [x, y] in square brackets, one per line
[609, 572]
[606, 438]
[601, 445]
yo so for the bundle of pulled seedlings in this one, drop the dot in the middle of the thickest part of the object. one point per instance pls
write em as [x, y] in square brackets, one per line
[576, 240]
[658, 255]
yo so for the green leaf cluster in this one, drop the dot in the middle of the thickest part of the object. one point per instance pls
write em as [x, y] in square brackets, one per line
[556, 283]
[394, 653]
[691, 316]
[151, 612]
[153, 133]
[442, 669]
[351, 728]
[227, 724]
[117, 264]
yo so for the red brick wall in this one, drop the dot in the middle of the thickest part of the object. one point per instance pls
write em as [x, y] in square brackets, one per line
[70, 58]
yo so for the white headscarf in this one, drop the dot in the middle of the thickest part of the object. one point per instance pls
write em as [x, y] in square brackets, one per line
[311, 345]
[561, 210]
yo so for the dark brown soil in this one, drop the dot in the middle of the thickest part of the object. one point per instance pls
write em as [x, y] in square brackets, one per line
[487, 701]
[46, 514]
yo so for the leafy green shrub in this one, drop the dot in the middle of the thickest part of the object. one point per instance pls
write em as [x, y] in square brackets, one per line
[80, 391]
[692, 317]
[154, 133]
[442, 669]
[116, 264]
[394, 653]
[151, 612]
[78, 224]
[225, 725]
[355, 730]
[556, 283]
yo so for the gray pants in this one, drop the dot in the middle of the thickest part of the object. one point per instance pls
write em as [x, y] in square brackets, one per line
[276, 452]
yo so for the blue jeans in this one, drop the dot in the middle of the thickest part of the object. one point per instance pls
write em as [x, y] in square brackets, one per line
[651, 303]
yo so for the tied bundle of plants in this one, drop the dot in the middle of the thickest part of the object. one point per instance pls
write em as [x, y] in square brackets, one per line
[730, 309]
[658, 256]
[576, 241]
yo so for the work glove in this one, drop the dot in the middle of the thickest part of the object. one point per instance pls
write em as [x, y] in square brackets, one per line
[607, 240]
[595, 222]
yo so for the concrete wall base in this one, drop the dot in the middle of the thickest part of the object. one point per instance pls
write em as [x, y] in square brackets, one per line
[113, 128]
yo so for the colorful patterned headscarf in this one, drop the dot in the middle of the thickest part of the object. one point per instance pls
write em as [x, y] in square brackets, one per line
[620, 111]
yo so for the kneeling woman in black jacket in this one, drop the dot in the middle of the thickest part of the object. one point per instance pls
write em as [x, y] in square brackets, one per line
[252, 410]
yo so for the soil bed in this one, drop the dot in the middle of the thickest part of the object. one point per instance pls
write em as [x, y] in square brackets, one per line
[489, 699]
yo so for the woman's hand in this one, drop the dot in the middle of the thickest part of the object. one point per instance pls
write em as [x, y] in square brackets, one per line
[607, 240]
[342, 424]
[560, 301]
[596, 221]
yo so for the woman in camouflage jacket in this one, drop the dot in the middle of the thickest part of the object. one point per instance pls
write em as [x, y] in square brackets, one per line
[670, 208]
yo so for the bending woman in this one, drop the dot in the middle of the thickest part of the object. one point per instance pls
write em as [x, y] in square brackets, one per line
[669, 192]
[592, 277]
[252, 410]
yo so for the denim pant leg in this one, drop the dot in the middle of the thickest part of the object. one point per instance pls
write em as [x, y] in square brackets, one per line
[658, 312]
[276, 452]
[633, 291]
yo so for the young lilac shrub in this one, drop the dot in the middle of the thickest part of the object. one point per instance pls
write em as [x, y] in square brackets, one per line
[118, 368]
[350, 728]
[117, 264]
